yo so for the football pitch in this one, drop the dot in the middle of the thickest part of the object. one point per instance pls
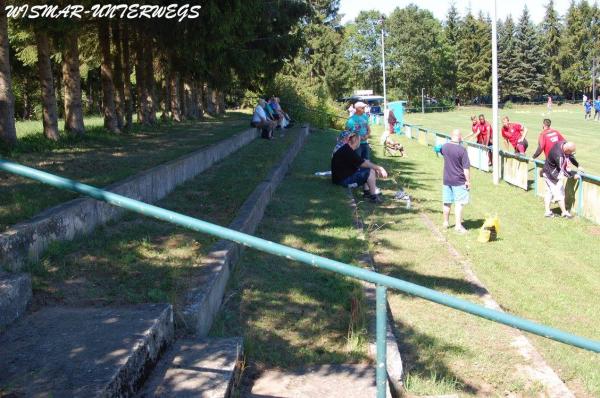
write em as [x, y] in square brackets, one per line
[568, 119]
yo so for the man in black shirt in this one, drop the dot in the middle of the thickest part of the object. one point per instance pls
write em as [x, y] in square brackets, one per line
[348, 168]
[556, 169]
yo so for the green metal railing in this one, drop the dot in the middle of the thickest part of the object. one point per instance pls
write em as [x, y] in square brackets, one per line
[536, 163]
[381, 281]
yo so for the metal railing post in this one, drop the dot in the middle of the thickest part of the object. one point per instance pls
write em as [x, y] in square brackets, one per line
[381, 331]
[580, 201]
[536, 174]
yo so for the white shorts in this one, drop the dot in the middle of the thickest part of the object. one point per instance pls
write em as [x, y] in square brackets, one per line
[557, 190]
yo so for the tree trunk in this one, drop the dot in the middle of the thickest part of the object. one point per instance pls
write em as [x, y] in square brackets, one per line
[140, 81]
[209, 105]
[198, 96]
[108, 102]
[127, 78]
[175, 99]
[118, 75]
[72, 84]
[150, 83]
[49, 110]
[166, 104]
[8, 132]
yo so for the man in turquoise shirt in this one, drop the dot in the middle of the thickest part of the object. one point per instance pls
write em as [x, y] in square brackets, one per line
[359, 124]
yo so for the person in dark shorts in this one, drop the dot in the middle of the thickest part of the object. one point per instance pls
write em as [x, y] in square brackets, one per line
[349, 169]
[457, 180]
[556, 170]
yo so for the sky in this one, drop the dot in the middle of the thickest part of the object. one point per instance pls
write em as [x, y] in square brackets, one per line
[351, 8]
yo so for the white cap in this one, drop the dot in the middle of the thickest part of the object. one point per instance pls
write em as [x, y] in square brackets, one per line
[360, 104]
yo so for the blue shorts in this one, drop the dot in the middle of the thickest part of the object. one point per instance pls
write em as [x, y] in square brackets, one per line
[359, 178]
[459, 194]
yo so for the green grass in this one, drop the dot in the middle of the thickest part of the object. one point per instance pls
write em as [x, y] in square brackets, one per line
[31, 128]
[292, 315]
[139, 259]
[540, 269]
[100, 158]
[568, 119]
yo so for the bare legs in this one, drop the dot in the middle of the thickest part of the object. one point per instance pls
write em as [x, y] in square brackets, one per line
[458, 212]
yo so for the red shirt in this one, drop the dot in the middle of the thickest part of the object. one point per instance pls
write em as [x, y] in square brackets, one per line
[549, 137]
[512, 133]
[486, 133]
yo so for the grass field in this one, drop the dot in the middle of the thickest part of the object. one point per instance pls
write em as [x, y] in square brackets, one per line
[568, 119]
[544, 270]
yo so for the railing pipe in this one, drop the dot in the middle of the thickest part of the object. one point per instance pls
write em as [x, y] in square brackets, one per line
[301, 256]
[381, 332]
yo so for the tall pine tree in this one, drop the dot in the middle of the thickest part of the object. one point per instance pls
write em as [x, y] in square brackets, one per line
[452, 28]
[551, 31]
[506, 58]
[529, 62]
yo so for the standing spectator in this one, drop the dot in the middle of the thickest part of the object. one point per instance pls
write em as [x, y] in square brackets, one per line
[474, 129]
[585, 99]
[359, 124]
[392, 121]
[597, 109]
[587, 106]
[260, 120]
[457, 180]
[555, 171]
[549, 104]
[515, 133]
[547, 139]
[485, 136]
[348, 169]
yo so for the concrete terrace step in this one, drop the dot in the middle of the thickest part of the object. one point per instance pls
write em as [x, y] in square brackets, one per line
[83, 352]
[348, 381]
[196, 368]
[15, 294]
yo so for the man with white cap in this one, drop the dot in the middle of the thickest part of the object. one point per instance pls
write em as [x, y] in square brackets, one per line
[359, 124]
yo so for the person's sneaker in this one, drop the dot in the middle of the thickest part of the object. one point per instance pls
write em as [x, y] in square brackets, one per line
[367, 193]
[460, 230]
[549, 215]
[376, 199]
[567, 215]
[445, 225]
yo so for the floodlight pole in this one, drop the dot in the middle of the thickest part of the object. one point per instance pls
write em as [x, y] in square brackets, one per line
[495, 136]
[383, 69]
[422, 100]
[594, 64]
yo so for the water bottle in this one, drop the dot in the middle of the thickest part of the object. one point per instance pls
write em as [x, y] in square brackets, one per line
[408, 203]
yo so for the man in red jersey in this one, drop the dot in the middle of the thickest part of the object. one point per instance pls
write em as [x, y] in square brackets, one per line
[485, 136]
[548, 137]
[515, 133]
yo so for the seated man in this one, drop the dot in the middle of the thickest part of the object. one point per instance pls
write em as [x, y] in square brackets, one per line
[348, 168]
[260, 120]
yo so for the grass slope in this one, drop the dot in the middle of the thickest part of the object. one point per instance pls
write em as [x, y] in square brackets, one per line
[544, 270]
[289, 314]
[101, 158]
[140, 259]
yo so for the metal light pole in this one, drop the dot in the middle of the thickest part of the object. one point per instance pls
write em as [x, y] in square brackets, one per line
[423, 100]
[594, 64]
[383, 69]
[495, 136]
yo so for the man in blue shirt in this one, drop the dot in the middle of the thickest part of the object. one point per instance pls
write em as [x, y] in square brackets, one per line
[597, 109]
[359, 124]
